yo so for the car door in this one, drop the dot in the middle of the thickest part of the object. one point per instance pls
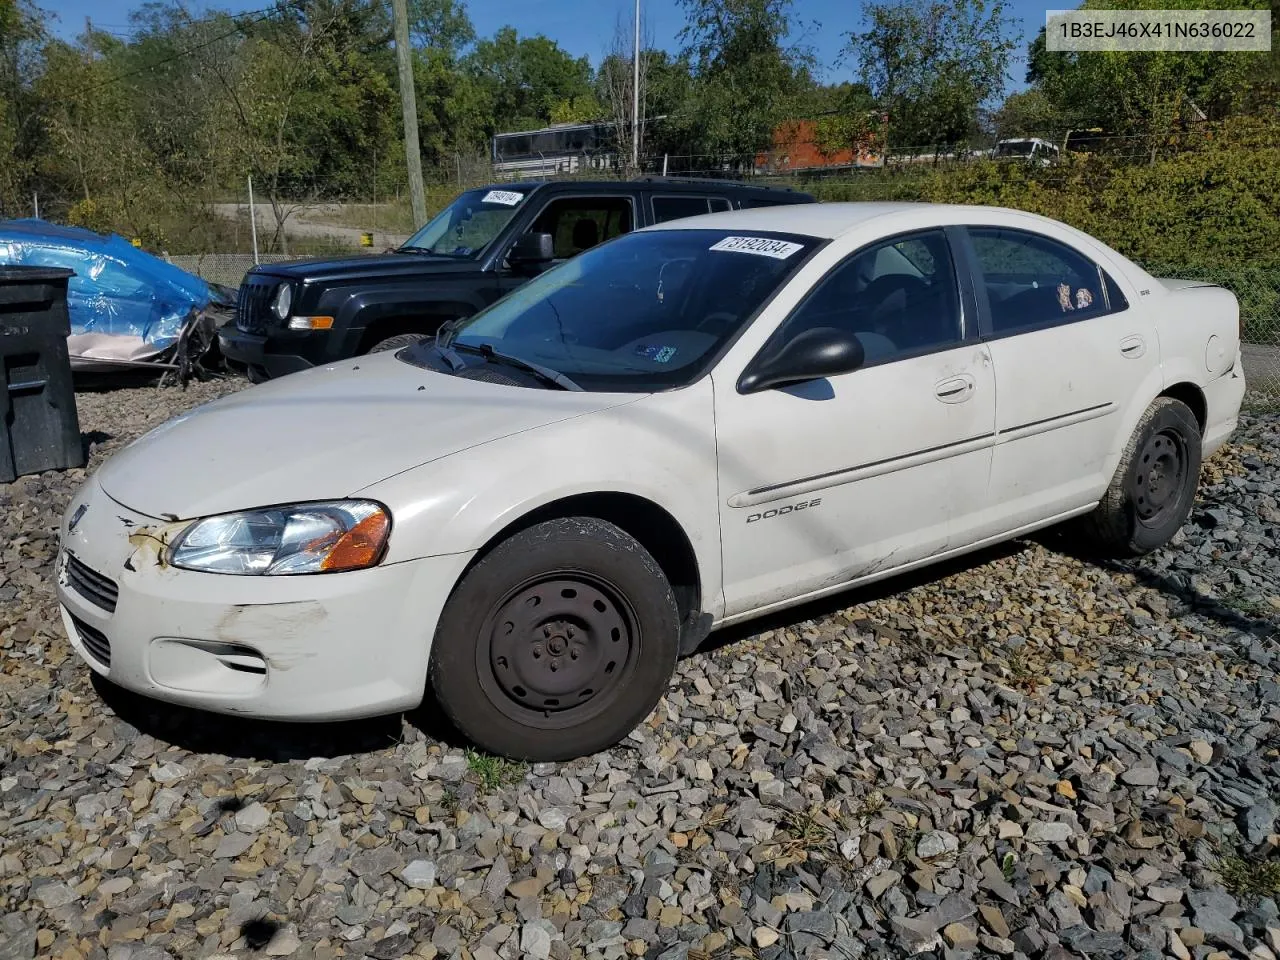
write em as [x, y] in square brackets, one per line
[576, 223]
[829, 481]
[1070, 355]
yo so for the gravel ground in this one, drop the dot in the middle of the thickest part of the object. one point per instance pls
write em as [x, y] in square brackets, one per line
[1020, 755]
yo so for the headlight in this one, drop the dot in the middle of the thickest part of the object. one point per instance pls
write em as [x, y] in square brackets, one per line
[283, 300]
[300, 538]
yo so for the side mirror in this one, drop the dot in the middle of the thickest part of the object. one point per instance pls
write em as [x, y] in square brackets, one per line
[531, 249]
[811, 355]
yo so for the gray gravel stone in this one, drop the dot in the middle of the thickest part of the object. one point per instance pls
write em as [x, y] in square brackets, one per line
[1044, 755]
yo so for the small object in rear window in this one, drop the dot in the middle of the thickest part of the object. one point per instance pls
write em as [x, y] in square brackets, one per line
[508, 198]
[762, 246]
[1064, 297]
[1083, 298]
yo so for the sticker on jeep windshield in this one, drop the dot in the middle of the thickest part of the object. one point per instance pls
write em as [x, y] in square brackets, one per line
[508, 198]
[778, 249]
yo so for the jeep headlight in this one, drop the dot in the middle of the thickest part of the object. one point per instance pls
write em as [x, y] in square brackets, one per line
[283, 300]
[325, 537]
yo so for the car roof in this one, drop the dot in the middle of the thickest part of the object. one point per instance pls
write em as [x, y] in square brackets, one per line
[827, 221]
[830, 221]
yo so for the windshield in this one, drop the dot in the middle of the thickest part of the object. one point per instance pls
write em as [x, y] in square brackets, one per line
[468, 225]
[647, 311]
[1016, 149]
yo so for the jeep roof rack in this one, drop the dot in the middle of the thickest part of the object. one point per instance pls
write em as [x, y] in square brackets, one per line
[657, 178]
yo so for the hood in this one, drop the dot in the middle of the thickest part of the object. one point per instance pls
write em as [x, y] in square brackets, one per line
[387, 265]
[324, 434]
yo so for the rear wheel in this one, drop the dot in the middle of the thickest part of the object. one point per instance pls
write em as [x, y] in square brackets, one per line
[557, 643]
[1154, 487]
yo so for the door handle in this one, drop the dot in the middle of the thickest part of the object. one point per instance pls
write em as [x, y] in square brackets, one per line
[1133, 347]
[954, 389]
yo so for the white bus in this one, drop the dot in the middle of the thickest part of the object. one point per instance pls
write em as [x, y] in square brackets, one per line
[557, 149]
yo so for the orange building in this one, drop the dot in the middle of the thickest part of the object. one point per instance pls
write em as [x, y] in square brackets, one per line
[795, 149]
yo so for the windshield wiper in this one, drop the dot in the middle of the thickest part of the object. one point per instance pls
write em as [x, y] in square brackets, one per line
[446, 330]
[537, 369]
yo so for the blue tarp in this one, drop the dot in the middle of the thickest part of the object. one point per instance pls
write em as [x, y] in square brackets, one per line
[118, 289]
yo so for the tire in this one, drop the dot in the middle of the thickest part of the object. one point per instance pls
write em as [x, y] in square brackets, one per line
[574, 678]
[1154, 486]
[398, 341]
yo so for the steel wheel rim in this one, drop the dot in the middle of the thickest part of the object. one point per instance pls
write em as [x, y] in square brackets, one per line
[554, 649]
[1160, 478]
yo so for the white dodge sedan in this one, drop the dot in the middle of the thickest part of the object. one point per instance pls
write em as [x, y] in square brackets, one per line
[538, 511]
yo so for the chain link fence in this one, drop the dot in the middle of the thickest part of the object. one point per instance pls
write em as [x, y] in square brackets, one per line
[1257, 288]
[227, 269]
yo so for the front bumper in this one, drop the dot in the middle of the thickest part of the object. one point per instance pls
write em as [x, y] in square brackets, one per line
[317, 647]
[266, 358]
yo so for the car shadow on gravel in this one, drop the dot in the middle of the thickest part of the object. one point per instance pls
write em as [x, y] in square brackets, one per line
[247, 738]
[871, 593]
[1184, 598]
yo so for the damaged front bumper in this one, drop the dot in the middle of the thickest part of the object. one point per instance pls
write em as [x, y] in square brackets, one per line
[313, 647]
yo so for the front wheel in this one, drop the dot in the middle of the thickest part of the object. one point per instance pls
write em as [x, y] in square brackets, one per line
[1154, 487]
[557, 643]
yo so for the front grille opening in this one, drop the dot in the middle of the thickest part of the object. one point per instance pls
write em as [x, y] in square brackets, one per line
[94, 640]
[253, 305]
[99, 590]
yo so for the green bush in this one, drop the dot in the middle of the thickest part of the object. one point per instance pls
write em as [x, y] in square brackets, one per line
[1206, 208]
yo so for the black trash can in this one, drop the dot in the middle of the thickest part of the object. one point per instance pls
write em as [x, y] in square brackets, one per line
[39, 428]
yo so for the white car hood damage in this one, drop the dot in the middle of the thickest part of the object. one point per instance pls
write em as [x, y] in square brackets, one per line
[324, 434]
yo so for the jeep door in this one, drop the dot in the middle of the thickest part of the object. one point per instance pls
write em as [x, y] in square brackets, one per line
[838, 479]
[576, 222]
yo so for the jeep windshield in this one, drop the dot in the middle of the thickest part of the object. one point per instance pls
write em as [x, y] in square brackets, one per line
[647, 311]
[468, 225]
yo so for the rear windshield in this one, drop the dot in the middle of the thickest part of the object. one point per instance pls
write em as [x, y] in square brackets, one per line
[648, 311]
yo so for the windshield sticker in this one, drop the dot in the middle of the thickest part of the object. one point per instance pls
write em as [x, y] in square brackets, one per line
[508, 198]
[778, 249]
[655, 353]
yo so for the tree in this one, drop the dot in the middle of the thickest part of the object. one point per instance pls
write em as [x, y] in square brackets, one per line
[524, 78]
[22, 35]
[1143, 96]
[307, 90]
[1028, 113]
[846, 118]
[746, 74]
[440, 25]
[616, 83]
[86, 112]
[931, 64]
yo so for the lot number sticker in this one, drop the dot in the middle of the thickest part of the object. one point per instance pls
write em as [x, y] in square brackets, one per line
[778, 249]
[508, 198]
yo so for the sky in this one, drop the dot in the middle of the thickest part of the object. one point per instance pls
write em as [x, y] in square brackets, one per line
[585, 27]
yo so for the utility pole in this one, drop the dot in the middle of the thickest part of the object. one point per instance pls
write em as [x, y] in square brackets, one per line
[253, 221]
[408, 101]
[635, 96]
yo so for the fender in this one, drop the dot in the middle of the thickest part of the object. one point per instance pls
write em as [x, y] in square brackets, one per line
[1150, 388]
[457, 504]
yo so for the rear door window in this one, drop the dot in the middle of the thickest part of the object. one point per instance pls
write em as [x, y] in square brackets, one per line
[685, 205]
[1033, 281]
